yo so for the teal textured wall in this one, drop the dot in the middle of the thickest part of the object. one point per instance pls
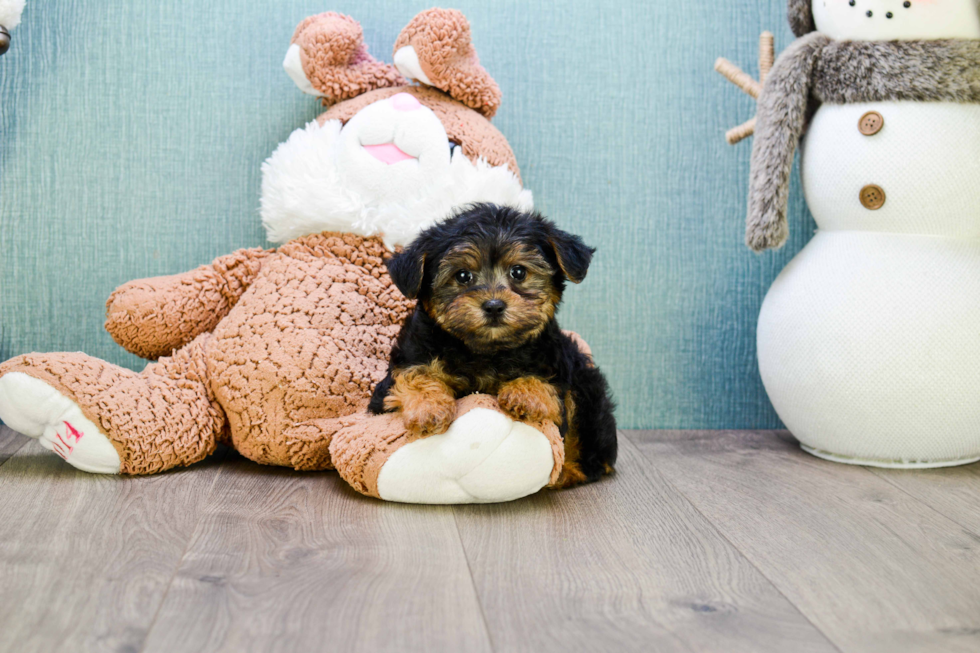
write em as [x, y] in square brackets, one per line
[132, 133]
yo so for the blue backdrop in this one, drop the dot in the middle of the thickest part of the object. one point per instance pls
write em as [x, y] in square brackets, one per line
[133, 133]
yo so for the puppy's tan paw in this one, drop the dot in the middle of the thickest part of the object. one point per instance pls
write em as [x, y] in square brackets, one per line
[430, 417]
[571, 475]
[424, 398]
[529, 399]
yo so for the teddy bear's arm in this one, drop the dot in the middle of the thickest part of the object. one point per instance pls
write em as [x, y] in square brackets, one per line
[152, 317]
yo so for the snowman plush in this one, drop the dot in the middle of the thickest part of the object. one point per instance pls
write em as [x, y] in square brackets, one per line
[869, 340]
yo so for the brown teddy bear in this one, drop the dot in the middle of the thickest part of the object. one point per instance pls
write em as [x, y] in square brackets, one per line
[275, 352]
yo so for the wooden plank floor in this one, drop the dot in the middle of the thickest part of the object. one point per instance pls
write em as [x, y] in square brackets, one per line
[702, 541]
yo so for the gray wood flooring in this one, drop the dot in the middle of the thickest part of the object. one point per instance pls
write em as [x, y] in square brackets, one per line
[702, 541]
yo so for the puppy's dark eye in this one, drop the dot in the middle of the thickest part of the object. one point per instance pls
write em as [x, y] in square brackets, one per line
[518, 273]
[464, 277]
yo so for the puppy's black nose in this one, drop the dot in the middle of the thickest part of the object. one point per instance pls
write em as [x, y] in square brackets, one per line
[494, 307]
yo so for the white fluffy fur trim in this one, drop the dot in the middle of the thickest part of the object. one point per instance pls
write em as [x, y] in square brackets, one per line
[303, 192]
[10, 11]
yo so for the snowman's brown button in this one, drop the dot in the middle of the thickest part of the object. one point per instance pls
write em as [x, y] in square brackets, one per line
[872, 197]
[871, 123]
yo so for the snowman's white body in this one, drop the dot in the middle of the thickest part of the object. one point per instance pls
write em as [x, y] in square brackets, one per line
[869, 340]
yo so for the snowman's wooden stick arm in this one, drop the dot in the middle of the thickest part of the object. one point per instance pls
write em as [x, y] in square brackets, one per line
[738, 77]
[767, 55]
[738, 134]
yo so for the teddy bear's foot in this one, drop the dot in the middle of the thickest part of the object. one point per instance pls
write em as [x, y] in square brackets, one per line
[164, 417]
[484, 457]
[34, 408]
[436, 49]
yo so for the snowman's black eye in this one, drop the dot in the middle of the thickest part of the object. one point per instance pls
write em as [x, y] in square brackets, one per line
[907, 4]
[889, 15]
[852, 2]
[870, 14]
[464, 277]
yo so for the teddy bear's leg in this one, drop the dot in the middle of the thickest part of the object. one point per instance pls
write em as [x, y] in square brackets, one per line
[105, 419]
[485, 457]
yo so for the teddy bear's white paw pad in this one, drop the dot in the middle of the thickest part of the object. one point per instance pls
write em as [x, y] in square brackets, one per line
[485, 457]
[32, 407]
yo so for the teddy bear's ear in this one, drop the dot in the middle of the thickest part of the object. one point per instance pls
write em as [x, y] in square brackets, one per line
[436, 49]
[327, 57]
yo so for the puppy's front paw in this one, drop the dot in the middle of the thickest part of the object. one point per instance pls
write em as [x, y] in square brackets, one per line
[429, 417]
[529, 399]
[424, 398]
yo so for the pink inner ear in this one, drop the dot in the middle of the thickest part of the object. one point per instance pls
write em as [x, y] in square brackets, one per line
[388, 153]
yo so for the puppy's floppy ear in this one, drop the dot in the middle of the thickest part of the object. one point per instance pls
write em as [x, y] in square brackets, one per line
[573, 255]
[407, 268]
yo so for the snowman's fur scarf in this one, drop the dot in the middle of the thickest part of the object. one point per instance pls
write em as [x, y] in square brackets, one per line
[916, 71]
[303, 192]
[817, 69]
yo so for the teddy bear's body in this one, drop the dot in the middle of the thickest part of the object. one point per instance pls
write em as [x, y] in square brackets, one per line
[307, 341]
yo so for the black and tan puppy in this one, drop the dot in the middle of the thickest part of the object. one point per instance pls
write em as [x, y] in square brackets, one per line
[488, 282]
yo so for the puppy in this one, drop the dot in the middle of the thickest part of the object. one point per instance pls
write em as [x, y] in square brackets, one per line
[488, 283]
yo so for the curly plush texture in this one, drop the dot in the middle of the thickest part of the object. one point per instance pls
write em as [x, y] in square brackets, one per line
[443, 42]
[165, 417]
[478, 137]
[307, 341]
[337, 62]
[153, 317]
[801, 17]
[817, 69]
